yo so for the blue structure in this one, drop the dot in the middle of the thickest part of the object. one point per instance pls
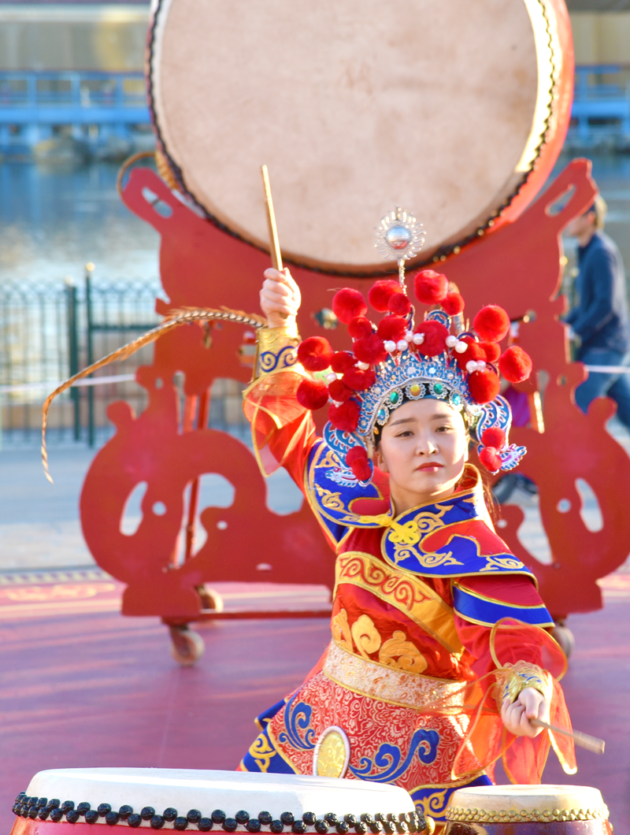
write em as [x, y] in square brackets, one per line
[599, 110]
[95, 105]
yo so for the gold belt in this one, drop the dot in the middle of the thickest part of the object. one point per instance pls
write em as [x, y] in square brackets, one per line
[369, 678]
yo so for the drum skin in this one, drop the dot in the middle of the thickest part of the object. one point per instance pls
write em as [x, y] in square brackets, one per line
[592, 827]
[456, 110]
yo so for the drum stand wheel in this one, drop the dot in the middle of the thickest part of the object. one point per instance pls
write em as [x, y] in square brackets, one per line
[564, 637]
[187, 646]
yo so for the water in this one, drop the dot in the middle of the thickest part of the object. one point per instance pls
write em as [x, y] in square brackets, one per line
[53, 221]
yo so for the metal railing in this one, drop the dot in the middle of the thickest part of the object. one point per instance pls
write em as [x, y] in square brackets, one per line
[48, 332]
[601, 102]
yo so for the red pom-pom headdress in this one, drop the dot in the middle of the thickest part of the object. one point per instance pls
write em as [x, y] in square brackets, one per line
[399, 359]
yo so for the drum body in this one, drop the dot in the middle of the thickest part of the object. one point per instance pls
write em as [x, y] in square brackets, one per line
[456, 111]
[525, 810]
[99, 800]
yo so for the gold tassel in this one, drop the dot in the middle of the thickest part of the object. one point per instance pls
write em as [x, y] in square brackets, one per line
[183, 316]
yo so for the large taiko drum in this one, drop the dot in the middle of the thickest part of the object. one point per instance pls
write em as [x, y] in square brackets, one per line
[457, 109]
[77, 800]
[525, 810]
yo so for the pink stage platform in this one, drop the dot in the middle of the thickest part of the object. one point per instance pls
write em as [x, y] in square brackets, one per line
[83, 686]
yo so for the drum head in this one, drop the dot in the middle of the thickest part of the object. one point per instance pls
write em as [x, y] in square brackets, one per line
[356, 107]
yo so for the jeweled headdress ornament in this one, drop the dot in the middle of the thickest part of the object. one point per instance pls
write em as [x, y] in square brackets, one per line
[398, 360]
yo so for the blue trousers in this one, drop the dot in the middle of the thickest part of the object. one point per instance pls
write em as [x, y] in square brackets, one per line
[613, 385]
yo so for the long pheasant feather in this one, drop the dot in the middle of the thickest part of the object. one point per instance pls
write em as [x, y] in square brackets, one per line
[175, 318]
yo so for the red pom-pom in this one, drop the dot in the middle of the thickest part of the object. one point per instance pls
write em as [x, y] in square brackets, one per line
[315, 353]
[342, 361]
[473, 352]
[430, 287]
[453, 304]
[359, 380]
[339, 391]
[361, 469]
[360, 327]
[490, 459]
[515, 364]
[492, 323]
[491, 350]
[312, 394]
[370, 349]
[345, 418]
[494, 436]
[392, 327]
[484, 385]
[381, 292]
[399, 304]
[356, 453]
[347, 304]
[435, 334]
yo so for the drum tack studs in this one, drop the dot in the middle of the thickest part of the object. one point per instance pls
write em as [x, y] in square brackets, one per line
[253, 825]
[91, 816]
[309, 818]
[134, 820]
[299, 828]
[43, 814]
[157, 821]
[194, 816]
[242, 817]
[276, 826]
[147, 813]
[103, 809]
[322, 827]
[125, 811]
[287, 818]
[331, 818]
[56, 815]
[72, 816]
[180, 824]
[218, 816]
[168, 814]
[205, 825]
[84, 807]
[265, 818]
[230, 825]
[112, 818]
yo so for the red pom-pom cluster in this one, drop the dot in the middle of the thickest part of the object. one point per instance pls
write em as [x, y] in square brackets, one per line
[360, 327]
[430, 287]
[392, 328]
[453, 304]
[382, 292]
[315, 353]
[345, 417]
[399, 304]
[339, 391]
[342, 361]
[484, 385]
[312, 394]
[357, 460]
[370, 349]
[491, 323]
[515, 364]
[494, 436]
[348, 304]
[435, 334]
[490, 459]
[358, 379]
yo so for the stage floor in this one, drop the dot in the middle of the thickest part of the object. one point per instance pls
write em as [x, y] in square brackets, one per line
[83, 686]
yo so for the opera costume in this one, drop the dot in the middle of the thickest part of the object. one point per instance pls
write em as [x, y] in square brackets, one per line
[434, 622]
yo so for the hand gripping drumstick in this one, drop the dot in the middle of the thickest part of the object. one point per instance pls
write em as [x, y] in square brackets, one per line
[274, 243]
[591, 743]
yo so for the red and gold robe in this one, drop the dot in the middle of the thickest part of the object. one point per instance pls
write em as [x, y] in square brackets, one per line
[434, 623]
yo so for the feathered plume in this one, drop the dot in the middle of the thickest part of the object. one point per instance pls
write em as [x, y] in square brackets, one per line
[182, 316]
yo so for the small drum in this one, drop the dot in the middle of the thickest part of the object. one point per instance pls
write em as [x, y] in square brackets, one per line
[223, 801]
[524, 810]
[447, 109]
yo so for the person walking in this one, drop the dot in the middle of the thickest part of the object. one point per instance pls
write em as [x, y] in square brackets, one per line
[600, 319]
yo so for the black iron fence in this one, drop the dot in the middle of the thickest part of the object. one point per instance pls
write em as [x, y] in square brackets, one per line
[50, 331]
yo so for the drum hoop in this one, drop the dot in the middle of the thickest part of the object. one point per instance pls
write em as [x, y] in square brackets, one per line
[440, 254]
[468, 814]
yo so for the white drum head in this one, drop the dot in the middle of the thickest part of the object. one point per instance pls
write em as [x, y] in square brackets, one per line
[356, 106]
[207, 791]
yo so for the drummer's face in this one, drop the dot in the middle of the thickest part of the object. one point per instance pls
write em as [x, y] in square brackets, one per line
[423, 448]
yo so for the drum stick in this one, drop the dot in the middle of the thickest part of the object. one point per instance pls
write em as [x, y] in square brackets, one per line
[274, 243]
[591, 743]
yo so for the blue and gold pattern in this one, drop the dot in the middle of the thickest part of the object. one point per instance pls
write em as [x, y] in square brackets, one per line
[264, 756]
[389, 758]
[433, 800]
[486, 612]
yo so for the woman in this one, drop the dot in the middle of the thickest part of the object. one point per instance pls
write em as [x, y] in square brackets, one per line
[439, 657]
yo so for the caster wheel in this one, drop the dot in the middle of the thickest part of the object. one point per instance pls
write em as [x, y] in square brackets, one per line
[564, 637]
[187, 646]
[210, 599]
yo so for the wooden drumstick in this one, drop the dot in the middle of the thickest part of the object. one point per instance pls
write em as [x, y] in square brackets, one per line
[591, 743]
[274, 243]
